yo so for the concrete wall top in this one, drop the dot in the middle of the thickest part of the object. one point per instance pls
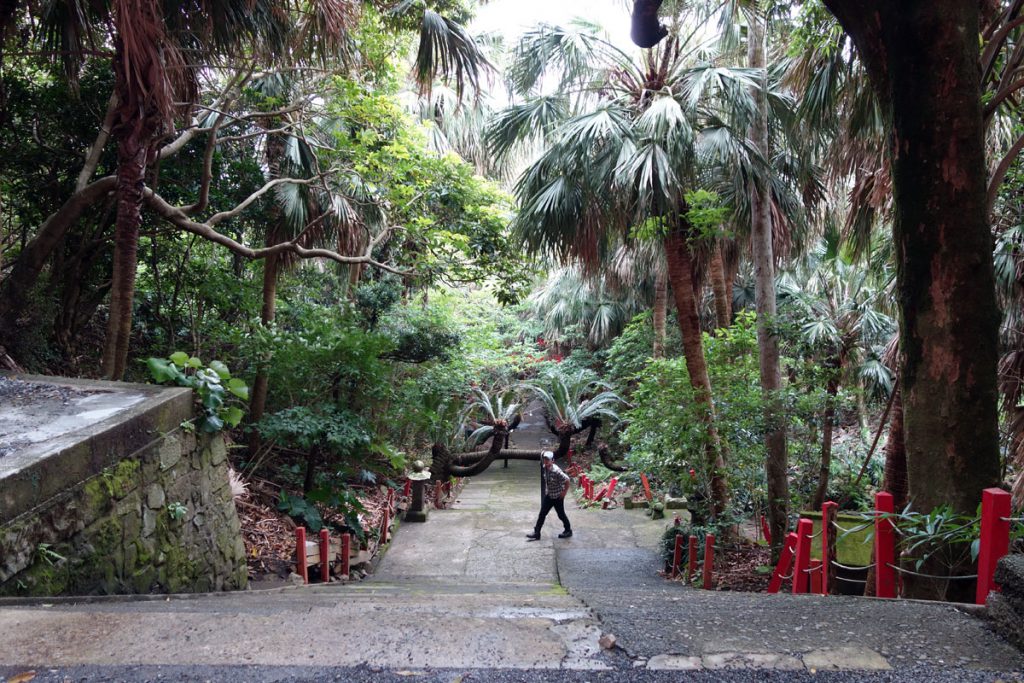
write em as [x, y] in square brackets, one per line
[59, 432]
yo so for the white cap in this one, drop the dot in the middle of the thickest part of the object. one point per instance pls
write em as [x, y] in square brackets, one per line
[547, 455]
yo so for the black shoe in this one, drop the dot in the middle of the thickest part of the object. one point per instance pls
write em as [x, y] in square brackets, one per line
[533, 537]
[565, 534]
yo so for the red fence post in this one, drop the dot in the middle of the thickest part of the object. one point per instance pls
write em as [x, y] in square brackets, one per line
[300, 554]
[647, 488]
[325, 555]
[691, 566]
[611, 486]
[709, 560]
[765, 531]
[995, 538]
[785, 562]
[801, 579]
[885, 547]
[677, 555]
[407, 490]
[385, 524]
[346, 551]
[828, 545]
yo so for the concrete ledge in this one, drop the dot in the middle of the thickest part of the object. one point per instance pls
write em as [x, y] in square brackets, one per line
[38, 473]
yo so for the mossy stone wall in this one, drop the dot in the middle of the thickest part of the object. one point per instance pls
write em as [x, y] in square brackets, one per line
[160, 520]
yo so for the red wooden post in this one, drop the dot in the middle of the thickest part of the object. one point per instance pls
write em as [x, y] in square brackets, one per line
[816, 576]
[325, 555]
[611, 486]
[300, 554]
[785, 562]
[647, 488]
[601, 492]
[677, 555]
[885, 547]
[437, 495]
[995, 539]
[765, 530]
[407, 490]
[691, 567]
[828, 545]
[801, 579]
[346, 551]
[709, 560]
[385, 525]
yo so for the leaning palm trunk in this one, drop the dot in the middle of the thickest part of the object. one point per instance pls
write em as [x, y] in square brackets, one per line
[776, 462]
[680, 273]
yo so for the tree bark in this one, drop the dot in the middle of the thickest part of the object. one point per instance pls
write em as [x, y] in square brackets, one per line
[131, 169]
[660, 313]
[722, 298]
[777, 457]
[680, 273]
[895, 480]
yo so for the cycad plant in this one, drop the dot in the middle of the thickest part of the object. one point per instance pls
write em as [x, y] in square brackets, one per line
[573, 404]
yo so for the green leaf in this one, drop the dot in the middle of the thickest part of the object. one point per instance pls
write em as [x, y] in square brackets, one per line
[194, 362]
[211, 424]
[238, 387]
[162, 370]
[221, 369]
[233, 415]
[179, 358]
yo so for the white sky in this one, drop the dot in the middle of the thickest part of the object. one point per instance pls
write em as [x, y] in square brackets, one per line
[513, 17]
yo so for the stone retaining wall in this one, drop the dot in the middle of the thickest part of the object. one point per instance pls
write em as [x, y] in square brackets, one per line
[1006, 608]
[137, 504]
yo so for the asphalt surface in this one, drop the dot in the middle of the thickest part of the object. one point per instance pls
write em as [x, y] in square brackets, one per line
[463, 597]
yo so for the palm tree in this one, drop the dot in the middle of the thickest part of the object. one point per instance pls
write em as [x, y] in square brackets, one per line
[626, 155]
[840, 310]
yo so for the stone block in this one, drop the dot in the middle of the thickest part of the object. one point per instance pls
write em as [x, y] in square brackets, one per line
[1007, 620]
[155, 497]
[675, 503]
[170, 452]
[218, 450]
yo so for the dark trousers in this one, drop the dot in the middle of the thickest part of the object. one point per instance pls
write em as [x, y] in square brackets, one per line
[545, 507]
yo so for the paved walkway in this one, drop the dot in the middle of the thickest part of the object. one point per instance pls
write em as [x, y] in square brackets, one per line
[464, 593]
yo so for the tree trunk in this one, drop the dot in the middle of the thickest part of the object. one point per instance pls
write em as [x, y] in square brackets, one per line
[660, 312]
[922, 57]
[131, 170]
[722, 297]
[258, 403]
[497, 440]
[680, 273]
[33, 257]
[895, 481]
[777, 459]
[827, 419]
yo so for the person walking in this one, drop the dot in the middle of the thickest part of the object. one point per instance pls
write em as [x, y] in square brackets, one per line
[554, 484]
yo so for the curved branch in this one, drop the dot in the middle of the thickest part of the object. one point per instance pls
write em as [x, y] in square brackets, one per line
[994, 103]
[92, 159]
[474, 457]
[497, 439]
[177, 217]
[1000, 173]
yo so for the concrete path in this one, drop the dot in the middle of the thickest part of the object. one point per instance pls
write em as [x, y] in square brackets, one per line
[465, 597]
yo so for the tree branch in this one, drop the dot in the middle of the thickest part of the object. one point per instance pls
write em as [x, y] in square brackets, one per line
[92, 159]
[1000, 173]
[206, 230]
